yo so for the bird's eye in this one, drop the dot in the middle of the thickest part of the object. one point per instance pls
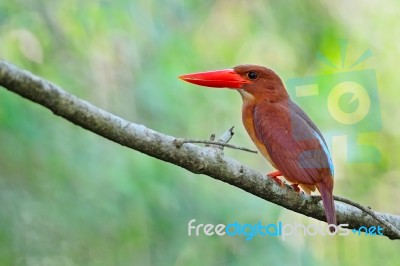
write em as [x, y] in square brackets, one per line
[252, 75]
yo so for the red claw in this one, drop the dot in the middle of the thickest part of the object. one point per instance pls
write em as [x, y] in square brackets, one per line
[274, 175]
[295, 187]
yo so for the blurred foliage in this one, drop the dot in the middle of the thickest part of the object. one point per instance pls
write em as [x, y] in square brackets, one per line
[69, 197]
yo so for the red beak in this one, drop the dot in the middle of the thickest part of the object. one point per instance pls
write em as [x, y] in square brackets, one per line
[226, 78]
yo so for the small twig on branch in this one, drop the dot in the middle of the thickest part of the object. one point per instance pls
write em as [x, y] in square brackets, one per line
[227, 136]
[221, 143]
[180, 142]
[377, 217]
[370, 212]
[212, 138]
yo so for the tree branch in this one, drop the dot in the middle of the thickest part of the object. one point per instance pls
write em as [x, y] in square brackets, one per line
[207, 161]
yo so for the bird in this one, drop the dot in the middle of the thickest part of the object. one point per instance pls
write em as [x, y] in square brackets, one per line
[282, 132]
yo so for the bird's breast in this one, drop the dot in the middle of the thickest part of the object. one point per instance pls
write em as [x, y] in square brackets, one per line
[248, 122]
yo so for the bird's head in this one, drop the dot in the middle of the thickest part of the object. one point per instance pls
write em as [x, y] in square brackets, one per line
[253, 82]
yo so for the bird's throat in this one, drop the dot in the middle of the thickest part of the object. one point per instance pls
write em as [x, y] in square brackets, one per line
[246, 96]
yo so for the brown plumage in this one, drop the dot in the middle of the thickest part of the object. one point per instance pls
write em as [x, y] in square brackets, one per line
[280, 129]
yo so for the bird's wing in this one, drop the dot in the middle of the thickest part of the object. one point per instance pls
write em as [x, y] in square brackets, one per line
[293, 142]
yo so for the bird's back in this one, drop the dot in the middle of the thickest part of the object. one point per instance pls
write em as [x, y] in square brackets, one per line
[293, 143]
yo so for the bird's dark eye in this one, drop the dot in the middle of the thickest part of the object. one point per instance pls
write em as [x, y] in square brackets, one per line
[252, 75]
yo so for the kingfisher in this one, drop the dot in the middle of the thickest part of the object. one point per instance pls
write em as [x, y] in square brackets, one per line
[282, 132]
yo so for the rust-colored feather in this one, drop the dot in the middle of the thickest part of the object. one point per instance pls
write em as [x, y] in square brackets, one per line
[293, 142]
[296, 148]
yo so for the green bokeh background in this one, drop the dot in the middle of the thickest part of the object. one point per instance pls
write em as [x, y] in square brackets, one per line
[69, 197]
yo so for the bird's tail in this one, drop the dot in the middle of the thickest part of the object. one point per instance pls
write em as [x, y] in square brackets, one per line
[329, 205]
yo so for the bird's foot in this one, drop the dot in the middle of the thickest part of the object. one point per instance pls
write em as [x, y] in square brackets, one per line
[295, 187]
[277, 180]
[274, 176]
